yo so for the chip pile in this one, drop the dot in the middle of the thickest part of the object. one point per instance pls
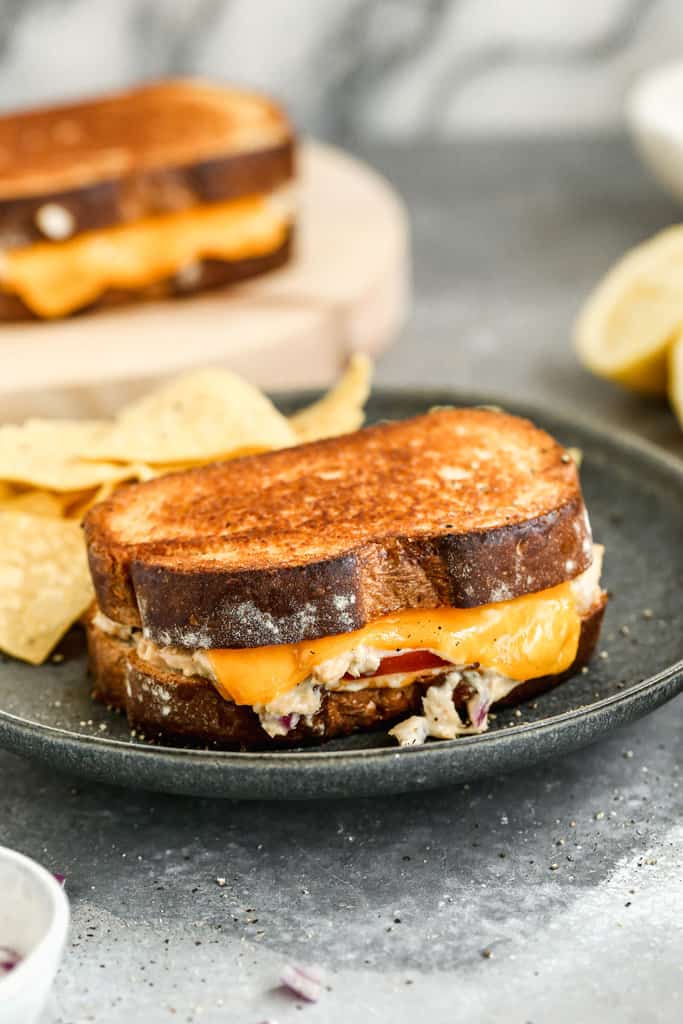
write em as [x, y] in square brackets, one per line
[53, 471]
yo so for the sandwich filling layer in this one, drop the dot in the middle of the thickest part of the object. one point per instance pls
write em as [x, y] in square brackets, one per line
[57, 278]
[491, 649]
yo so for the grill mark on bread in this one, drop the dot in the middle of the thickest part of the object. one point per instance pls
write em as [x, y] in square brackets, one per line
[234, 552]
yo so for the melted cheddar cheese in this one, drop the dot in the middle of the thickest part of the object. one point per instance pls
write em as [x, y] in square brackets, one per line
[534, 635]
[57, 278]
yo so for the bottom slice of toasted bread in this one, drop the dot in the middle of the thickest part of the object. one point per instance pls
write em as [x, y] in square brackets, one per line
[163, 704]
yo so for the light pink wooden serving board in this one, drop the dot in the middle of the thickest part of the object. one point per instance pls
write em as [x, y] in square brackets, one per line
[345, 290]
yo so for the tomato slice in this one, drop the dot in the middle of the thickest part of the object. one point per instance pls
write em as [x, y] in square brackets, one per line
[411, 661]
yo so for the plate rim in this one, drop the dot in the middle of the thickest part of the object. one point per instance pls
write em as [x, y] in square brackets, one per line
[18, 731]
[313, 754]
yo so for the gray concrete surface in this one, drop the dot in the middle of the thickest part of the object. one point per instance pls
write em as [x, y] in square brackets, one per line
[551, 895]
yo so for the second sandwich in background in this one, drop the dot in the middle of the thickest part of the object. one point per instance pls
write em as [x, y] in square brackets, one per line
[164, 190]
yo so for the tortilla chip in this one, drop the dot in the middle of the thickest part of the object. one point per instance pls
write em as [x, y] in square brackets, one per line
[204, 415]
[141, 472]
[36, 503]
[341, 409]
[44, 583]
[44, 454]
[81, 502]
[169, 467]
[577, 455]
[104, 491]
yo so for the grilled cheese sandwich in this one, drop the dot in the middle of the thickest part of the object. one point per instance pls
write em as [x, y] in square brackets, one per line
[484, 651]
[144, 189]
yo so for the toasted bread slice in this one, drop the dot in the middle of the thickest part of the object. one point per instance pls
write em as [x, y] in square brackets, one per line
[165, 704]
[156, 149]
[460, 507]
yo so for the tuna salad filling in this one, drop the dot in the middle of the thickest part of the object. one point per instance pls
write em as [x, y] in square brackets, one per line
[365, 667]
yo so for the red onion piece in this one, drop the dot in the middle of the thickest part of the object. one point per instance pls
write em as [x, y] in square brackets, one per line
[478, 708]
[9, 958]
[305, 982]
[60, 878]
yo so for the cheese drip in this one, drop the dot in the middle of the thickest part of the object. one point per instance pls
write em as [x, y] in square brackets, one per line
[531, 636]
[57, 278]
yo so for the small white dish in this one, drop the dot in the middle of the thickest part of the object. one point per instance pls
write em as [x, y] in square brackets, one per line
[654, 111]
[34, 920]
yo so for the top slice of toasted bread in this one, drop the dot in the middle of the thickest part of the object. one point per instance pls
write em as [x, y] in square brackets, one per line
[459, 507]
[116, 159]
[166, 124]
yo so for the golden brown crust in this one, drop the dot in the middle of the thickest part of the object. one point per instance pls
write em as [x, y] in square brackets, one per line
[141, 135]
[206, 274]
[460, 507]
[165, 704]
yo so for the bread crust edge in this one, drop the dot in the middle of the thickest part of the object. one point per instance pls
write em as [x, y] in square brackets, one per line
[147, 192]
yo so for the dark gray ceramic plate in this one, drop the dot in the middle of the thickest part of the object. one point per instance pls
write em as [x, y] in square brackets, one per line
[635, 498]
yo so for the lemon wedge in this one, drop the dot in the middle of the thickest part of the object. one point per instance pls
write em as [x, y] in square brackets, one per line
[626, 327]
[676, 377]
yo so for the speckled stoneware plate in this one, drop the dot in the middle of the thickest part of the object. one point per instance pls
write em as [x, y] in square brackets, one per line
[635, 498]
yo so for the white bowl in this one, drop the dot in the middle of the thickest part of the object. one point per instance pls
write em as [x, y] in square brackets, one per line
[654, 110]
[34, 920]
